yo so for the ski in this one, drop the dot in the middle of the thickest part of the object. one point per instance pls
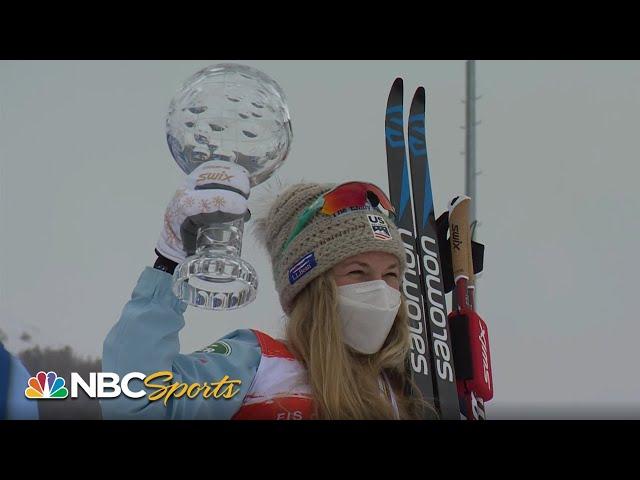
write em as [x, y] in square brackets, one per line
[431, 264]
[400, 195]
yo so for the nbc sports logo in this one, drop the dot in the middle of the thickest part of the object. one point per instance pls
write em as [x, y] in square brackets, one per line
[110, 385]
[46, 385]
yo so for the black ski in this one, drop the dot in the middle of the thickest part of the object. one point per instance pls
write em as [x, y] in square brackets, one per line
[427, 246]
[400, 196]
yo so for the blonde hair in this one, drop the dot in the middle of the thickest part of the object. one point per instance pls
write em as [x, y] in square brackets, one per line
[344, 383]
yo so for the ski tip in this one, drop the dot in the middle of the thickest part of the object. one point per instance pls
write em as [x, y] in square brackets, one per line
[418, 100]
[397, 83]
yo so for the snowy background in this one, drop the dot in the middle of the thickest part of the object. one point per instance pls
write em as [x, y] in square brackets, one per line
[85, 175]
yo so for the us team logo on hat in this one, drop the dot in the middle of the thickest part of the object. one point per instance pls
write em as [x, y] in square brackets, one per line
[379, 227]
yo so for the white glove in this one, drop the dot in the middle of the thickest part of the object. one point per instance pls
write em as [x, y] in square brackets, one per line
[215, 192]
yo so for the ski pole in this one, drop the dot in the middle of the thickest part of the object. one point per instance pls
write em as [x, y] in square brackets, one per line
[469, 332]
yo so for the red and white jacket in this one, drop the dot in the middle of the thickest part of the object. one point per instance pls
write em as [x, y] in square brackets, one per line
[279, 390]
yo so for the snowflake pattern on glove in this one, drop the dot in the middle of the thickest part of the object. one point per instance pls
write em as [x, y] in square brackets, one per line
[172, 239]
[204, 204]
[188, 202]
[218, 202]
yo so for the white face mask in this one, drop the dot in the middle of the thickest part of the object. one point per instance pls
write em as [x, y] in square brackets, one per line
[367, 311]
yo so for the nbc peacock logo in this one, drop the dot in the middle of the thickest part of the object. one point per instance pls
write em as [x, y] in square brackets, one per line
[46, 385]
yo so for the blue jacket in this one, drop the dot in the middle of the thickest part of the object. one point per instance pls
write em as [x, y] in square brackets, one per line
[145, 339]
[14, 379]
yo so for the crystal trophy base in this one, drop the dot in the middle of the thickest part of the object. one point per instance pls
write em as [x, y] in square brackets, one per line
[216, 278]
[217, 282]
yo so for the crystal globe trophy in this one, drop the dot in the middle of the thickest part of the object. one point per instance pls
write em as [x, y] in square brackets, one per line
[227, 121]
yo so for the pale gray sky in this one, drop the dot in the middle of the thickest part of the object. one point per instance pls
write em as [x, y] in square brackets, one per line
[85, 175]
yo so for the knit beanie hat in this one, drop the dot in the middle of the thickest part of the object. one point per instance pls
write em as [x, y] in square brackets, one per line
[324, 242]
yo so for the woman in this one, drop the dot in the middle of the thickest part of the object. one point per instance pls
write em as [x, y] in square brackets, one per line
[337, 264]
